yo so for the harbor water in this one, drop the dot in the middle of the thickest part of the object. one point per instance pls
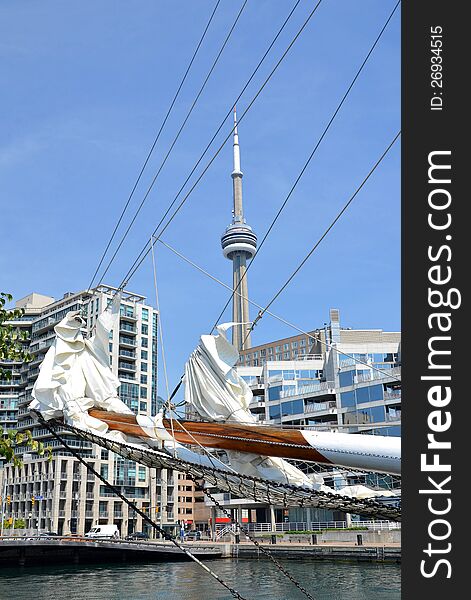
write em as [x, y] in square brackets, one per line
[253, 579]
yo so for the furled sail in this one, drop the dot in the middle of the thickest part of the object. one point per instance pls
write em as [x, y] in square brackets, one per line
[218, 393]
[75, 374]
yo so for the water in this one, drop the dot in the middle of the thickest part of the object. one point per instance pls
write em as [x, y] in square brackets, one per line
[254, 579]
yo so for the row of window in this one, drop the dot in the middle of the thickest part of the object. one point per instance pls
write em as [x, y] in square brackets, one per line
[293, 407]
[362, 395]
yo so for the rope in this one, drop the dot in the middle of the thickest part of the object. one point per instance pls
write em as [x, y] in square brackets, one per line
[142, 255]
[272, 314]
[260, 490]
[149, 154]
[316, 245]
[306, 164]
[216, 60]
[262, 549]
[162, 341]
[134, 507]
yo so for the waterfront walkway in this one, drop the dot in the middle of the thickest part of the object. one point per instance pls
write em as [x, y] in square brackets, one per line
[76, 550]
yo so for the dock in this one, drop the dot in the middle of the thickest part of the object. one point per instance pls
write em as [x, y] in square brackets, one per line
[76, 550]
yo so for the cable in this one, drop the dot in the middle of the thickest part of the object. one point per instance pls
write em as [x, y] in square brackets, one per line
[154, 143]
[230, 110]
[281, 319]
[306, 164]
[134, 507]
[316, 245]
[216, 60]
[139, 260]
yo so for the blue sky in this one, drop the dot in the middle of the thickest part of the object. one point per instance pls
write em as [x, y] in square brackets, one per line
[84, 89]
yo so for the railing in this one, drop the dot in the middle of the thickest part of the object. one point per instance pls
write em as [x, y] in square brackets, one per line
[319, 406]
[228, 529]
[310, 388]
[313, 526]
[392, 394]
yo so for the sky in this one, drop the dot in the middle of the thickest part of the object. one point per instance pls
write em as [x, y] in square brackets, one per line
[84, 88]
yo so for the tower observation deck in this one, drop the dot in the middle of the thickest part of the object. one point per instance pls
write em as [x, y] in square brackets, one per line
[239, 244]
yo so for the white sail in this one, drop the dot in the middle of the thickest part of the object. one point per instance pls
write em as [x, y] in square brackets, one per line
[75, 374]
[218, 393]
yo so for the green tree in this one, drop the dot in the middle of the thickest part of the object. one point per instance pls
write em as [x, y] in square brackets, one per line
[12, 349]
[11, 338]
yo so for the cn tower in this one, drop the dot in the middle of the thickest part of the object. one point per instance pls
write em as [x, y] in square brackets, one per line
[239, 244]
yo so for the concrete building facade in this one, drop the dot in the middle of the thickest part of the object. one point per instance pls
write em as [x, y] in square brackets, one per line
[61, 495]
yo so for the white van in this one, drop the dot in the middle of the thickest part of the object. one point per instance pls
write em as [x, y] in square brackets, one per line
[103, 531]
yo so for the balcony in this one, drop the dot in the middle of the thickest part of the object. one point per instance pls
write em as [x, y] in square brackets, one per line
[126, 366]
[129, 354]
[320, 406]
[103, 514]
[118, 514]
[127, 342]
[128, 316]
[127, 328]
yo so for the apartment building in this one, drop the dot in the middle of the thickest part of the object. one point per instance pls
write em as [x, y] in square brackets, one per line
[61, 495]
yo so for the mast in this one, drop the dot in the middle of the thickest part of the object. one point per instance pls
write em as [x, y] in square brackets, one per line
[239, 244]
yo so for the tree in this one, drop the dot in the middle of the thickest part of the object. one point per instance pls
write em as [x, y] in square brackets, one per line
[12, 349]
[11, 338]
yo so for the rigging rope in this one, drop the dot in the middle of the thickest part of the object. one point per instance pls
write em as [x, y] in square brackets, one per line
[135, 508]
[306, 164]
[149, 154]
[160, 331]
[246, 486]
[316, 245]
[284, 321]
[216, 60]
[144, 252]
[240, 526]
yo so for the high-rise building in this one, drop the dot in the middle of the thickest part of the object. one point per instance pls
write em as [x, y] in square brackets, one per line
[328, 379]
[331, 378]
[239, 244]
[61, 495]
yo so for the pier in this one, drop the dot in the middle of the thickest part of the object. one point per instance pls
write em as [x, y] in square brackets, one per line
[77, 550]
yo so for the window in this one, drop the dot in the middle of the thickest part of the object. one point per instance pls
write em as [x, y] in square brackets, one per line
[126, 311]
[142, 474]
[144, 342]
[294, 344]
[346, 378]
[145, 314]
[144, 329]
[143, 406]
[263, 352]
[143, 366]
[285, 346]
[274, 392]
[274, 412]
[294, 407]
[104, 454]
[347, 399]
[143, 354]
[143, 392]
[278, 348]
[143, 378]
[286, 355]
[302, 342]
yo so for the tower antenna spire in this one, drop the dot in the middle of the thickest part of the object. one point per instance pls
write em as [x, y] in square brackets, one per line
[239, 244]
